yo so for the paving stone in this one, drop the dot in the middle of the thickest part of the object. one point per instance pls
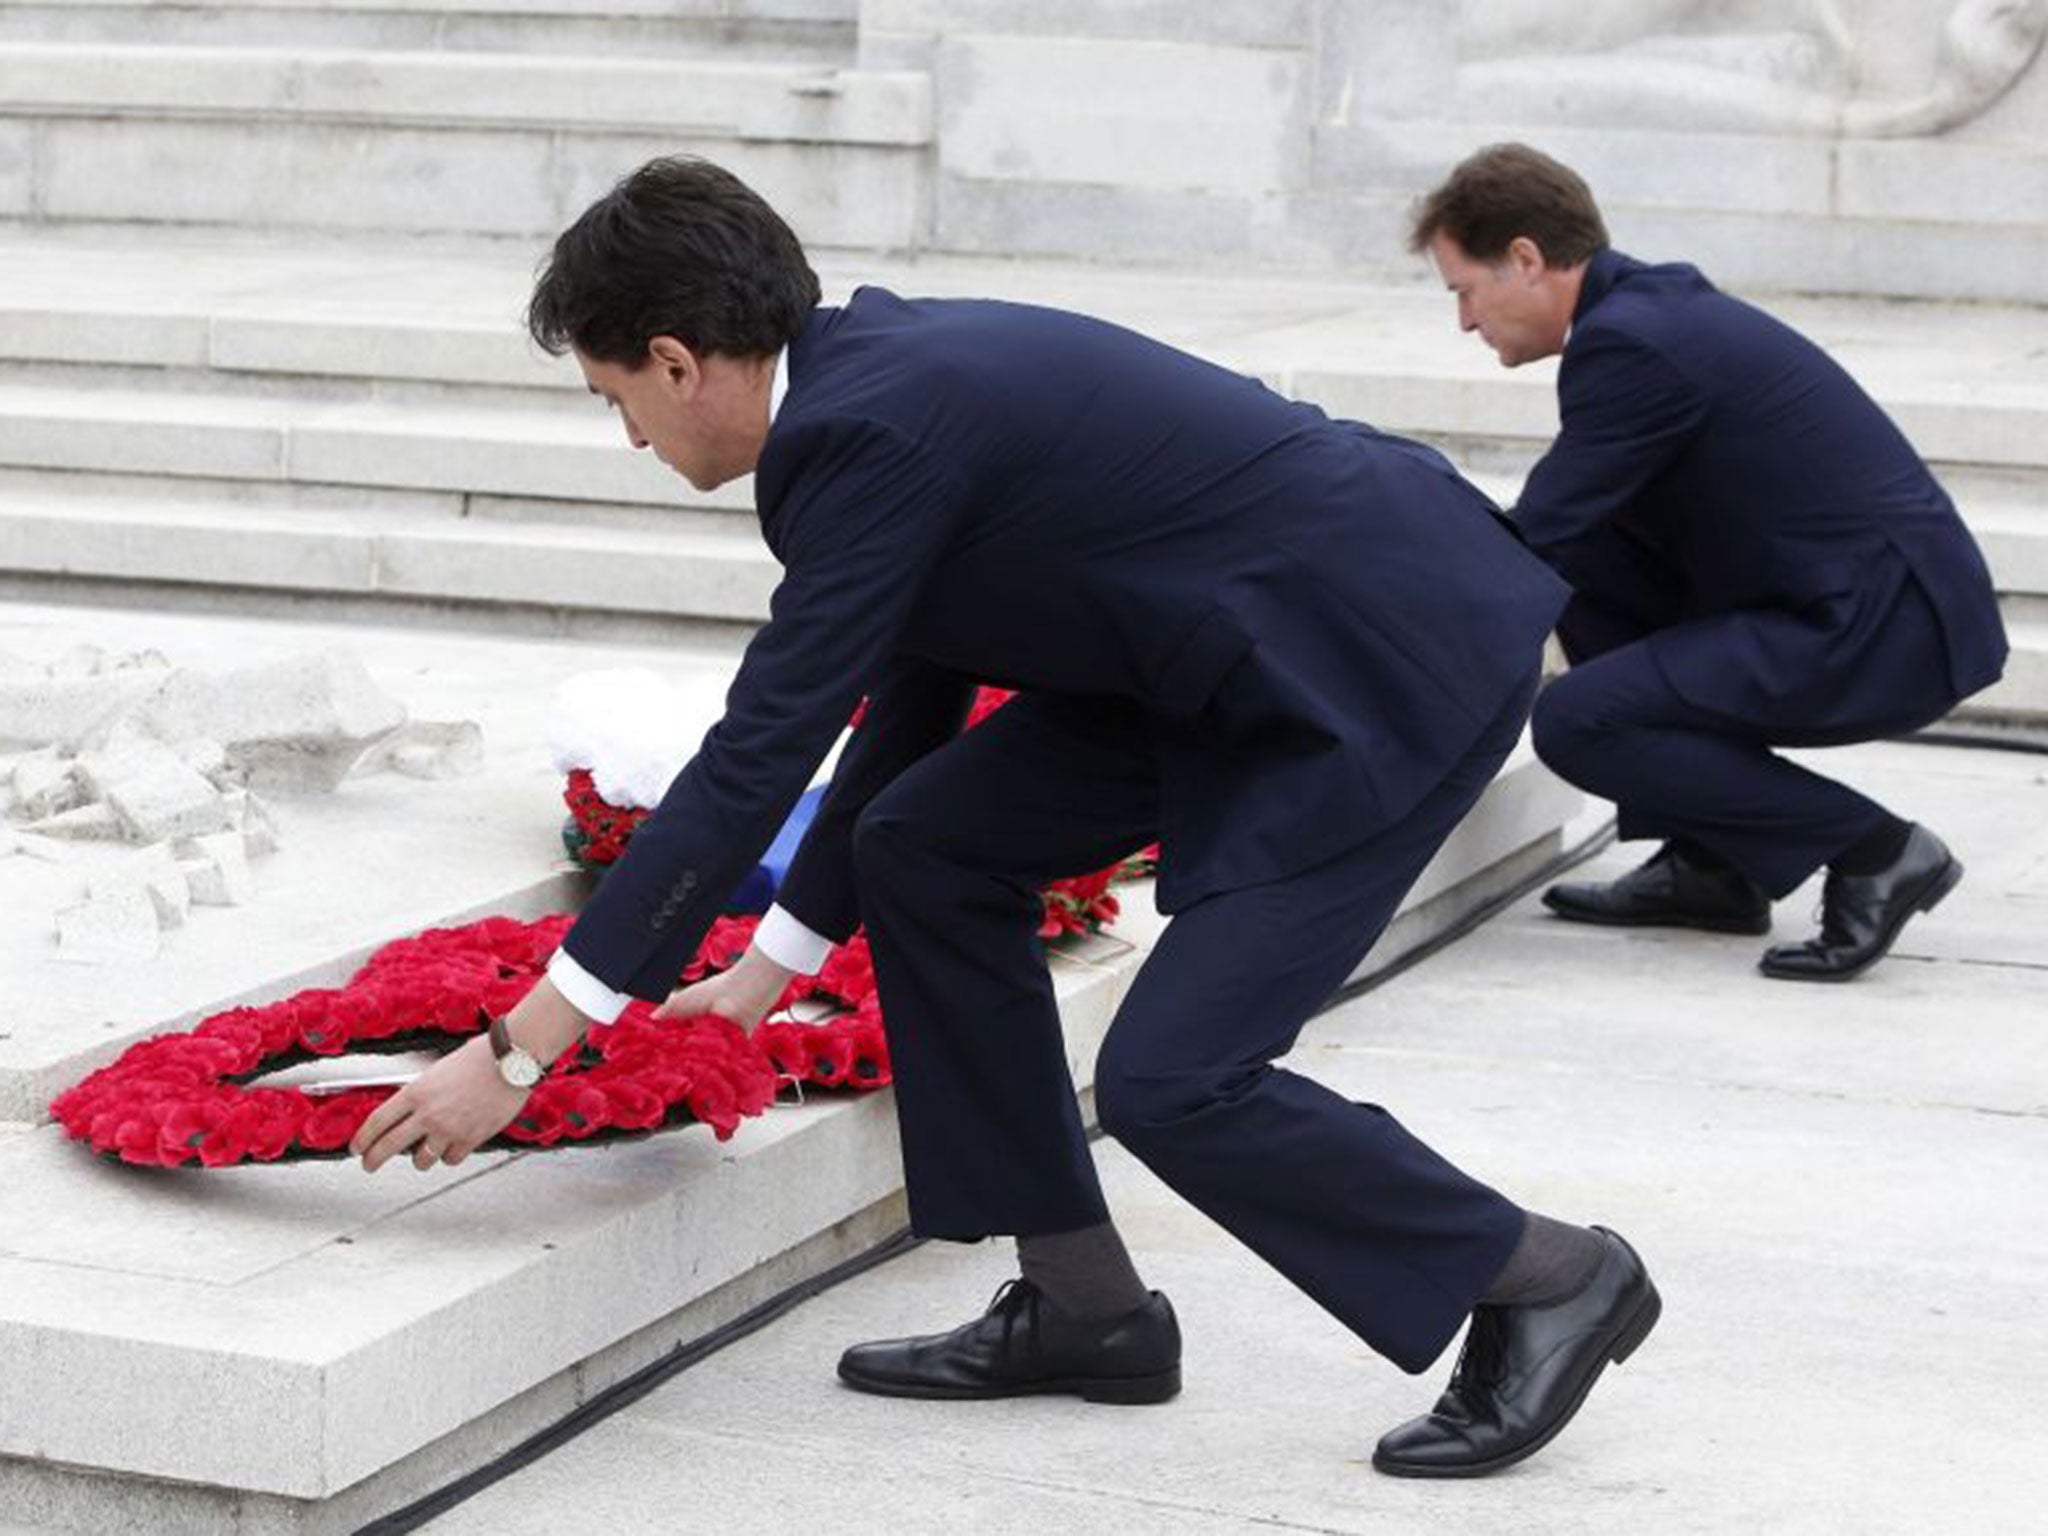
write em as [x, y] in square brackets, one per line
[117, 923]
[45, 783]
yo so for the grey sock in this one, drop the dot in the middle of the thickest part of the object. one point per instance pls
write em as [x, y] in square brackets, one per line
[1085, 1273]
[1552, 1259]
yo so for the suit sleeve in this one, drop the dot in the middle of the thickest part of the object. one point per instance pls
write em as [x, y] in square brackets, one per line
[915, 707]
[862, 523]
[1627, 414]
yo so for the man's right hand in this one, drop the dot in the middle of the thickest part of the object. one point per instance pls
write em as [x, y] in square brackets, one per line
[743, 993]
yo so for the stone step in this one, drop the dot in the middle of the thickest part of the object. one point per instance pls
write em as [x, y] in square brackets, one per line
[376, 551]
[820, 30]
[567, 450]
[475, 145]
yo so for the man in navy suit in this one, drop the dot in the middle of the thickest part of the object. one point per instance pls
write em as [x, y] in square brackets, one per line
[1291, 650]
[1758, 557]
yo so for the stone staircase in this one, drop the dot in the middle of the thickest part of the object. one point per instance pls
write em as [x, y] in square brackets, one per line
[279, 422]
[444, 118]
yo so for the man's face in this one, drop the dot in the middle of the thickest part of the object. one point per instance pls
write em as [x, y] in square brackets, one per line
[1519, 306]
[677, 404]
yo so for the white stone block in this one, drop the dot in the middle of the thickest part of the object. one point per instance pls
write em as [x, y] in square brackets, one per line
[258, 827]
[155, 870]
[216, 869]
[68, 714]
[1939, 181]
[46, 783]
[88, 823]
[44, 850]
[297, 723]
[203, 755]
[116, 924]
[155, 792]
[1136, 114]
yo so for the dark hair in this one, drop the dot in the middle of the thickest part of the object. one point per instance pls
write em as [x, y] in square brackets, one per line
[679, 248]
[1505, 190]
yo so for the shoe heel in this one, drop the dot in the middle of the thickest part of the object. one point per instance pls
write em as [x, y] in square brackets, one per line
[1133, 1389]
[1949, 879]
[1638, 1327]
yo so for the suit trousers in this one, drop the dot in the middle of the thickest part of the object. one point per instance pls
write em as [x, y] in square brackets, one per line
[1384, 1233]
[1615, 726]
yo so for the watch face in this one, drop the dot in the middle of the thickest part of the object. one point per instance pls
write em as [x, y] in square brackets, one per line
[519, 1069]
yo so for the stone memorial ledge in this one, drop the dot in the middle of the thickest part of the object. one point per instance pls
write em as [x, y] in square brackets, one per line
[302, 1349]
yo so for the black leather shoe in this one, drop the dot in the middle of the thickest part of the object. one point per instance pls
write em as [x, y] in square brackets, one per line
[1671, 890]
[1860, 915]
[1024, 1345]
[1524, 1371]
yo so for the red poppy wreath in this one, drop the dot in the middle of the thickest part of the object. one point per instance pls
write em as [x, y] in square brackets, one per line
[197, 1097]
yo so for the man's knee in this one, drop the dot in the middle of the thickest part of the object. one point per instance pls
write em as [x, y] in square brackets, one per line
[1148, 1105]
[1566, 730]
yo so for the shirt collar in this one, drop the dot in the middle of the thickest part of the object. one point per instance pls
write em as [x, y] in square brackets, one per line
[779, 386]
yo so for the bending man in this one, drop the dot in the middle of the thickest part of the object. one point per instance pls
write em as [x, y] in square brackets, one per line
[1291, 650]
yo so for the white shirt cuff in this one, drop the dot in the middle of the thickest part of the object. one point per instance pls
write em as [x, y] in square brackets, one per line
[585, 993]
[790, 944]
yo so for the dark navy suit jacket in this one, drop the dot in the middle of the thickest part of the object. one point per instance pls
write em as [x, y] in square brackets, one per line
[1315, 619]
[1712, 461]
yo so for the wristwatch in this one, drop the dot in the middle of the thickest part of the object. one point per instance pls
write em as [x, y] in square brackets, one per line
[516, 1066]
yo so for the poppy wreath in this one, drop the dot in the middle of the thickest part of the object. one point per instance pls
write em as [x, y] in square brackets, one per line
[597, 833]
[193, 1097]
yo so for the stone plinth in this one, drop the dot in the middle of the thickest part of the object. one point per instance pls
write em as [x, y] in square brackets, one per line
[302, 1349]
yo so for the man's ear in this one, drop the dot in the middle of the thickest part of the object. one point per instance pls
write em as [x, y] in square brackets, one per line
[1525, 257]
[683, 368]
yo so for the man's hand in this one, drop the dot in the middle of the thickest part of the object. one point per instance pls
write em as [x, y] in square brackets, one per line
[444, 1114]
[463, 1100]
[743, 993]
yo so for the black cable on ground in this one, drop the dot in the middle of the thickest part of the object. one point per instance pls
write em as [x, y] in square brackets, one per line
[1976, 733]
[631, 1388]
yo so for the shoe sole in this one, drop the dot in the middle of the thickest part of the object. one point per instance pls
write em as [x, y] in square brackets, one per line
[1747, 927]
[1627, 1340]
[1132, 1391]
[1939, 884]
